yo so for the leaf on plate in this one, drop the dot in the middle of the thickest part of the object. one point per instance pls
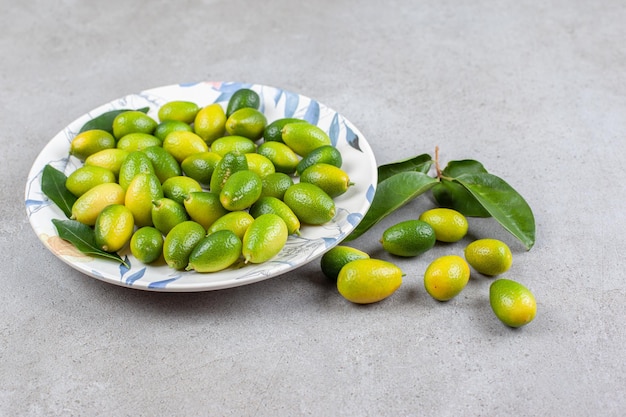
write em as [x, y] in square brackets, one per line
[420, 163]
[53, 186]
[505, 204]
[391, 194]
[105, 120]
[83, 238]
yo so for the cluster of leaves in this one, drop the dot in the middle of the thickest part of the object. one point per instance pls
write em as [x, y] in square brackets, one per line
[465, 186]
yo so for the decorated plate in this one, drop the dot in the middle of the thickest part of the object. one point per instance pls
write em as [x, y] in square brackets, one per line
[358, 162]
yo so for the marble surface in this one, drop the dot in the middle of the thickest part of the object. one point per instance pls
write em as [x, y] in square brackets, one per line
[534, 90]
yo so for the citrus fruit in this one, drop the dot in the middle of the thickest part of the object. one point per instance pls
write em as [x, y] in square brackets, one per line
[282, 156]
[225, 167]
[178, 110]
[241, 190]
[178, 188]
[135, 163]
[146, 244]
[235, 221]
[204, 207]
[489, 256]
[512, 302]
[334, 181]
[235, 143]
[137, 141]
[310, 203]
[200, 166]
[303, 138]
[108, 158]
[246, 122]
[244, 97]
[274, 205]
[365, 281]
[446, 277]
[164, 164]
[87, 207]
[449, 225]
[181, 144]
[168, 126]
[408, 238]
[210, 123]
[180, 242]
[326, 154]
[337, 257]
[167, 213]
[114, 227]
[132, 121]
[259, 164]
[273, 131]
[89, 142]
[86, 177]
[215, 252]
[141, 192]
[275, 185]
[264, 238]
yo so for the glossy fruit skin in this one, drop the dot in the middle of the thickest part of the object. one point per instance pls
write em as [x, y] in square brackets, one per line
[365, 281]
[111, 159]
[87, 177]
[204, 207]
[246, 122]
[303, 138]
[164, 164]
[237, 222]
[167, 213]
[178, 188]
[446, 277]
[210, 123]
[181, 144]
[235, 143]
[273, 205]
[275, 185]
[141, 192]
[146, 244]
[135, 163]
[273, 131]
[114, 227]
[449, 225]
[229, 164]
[200, 166]
[89, 205]
[133, 121]
[512, 302]
[310, 203]
[138, 141]
[242, 98]
[178, 110]
[337, 257]
[326, 154]
[489, 256]
[89, 142]
[260, 164]
[334, 181]
[409, 238]
[241, 190]
[180, 242]
[264, 238]
[168, 126]
[215, 252]
[282, 156]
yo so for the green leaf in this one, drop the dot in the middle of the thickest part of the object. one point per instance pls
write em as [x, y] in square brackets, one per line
[420, 163]
[105, 120]
[452, 195]
[53, 186]
[83, 238]
[391, 194]
[505, 204]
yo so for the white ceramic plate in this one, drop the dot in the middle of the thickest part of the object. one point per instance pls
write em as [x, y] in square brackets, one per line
[358, 162]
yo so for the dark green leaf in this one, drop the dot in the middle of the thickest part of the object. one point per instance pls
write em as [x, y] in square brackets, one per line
[465, 166]
[391, 194]
[53, 186]
[452, 195]
[420, 163]
[505, 204]
[83, 238]
[105, 120]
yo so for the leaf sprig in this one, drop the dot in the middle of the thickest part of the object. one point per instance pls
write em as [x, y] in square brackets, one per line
[465, 186]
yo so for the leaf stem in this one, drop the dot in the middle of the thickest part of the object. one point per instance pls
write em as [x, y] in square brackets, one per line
[437, 168]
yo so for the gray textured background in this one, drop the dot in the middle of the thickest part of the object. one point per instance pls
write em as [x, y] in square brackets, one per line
[536, 90]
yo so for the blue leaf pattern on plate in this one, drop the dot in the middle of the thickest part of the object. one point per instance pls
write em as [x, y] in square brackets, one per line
[354, 218]
[370, 193]
[352, 138]
[123, 268]
[130, 280]
[333, 132]
[291, 103]
[312, 114]
[162, 284]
